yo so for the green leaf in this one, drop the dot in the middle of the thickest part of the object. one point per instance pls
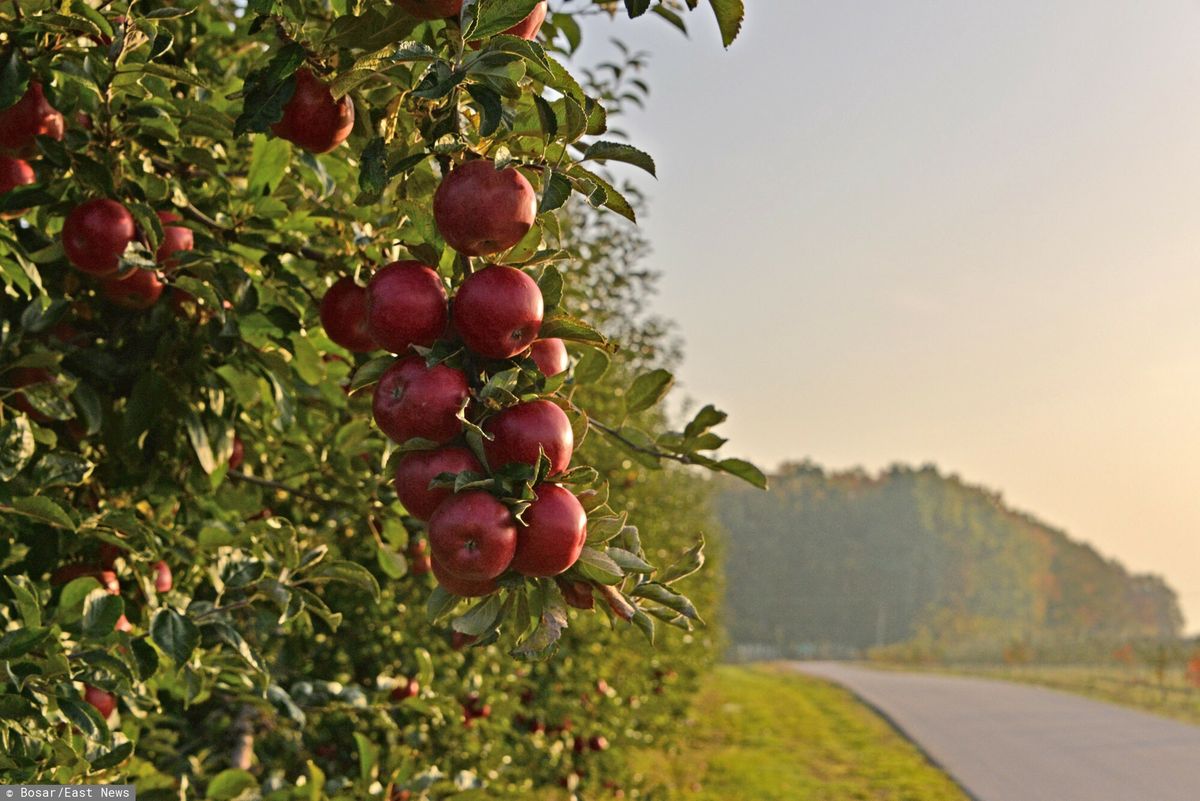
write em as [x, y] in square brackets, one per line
[177, 636]
[121, 752]
[269, 160]
[574, 330]
[145, 658]
[636, 8]
[84, 716]
[44, 510]
[688, 564]
[101, 611]
[22, 641]
[599, 566]
[552, 621]
[25, 197]
[648, 389]
[629, 562]
[612, 198]
[14, 77]
[15, 707]
[556, 193]
[439, 603]
[230, 784]
[592, 366]
[491, 110]
[368, 757]
[348, 573]
[370, 373]
[480, 618]
[373, 167]
[743, 470]
[729, 14]
[495, 16]
[17, 447]
[660, 594]
[198, 435]
[26, 599]
[617, 151]
[70, 602]
[268, 90]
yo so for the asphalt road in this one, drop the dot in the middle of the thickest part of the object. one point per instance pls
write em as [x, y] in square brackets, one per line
[1013, 742]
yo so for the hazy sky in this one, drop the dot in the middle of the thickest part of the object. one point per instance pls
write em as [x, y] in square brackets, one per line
[958, 232]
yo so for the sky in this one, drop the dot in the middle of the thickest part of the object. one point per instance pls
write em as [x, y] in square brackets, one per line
[964, 233]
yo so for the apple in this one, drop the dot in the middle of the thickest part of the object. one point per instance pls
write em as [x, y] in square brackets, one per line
[137, 291]
[480, 210]
[344, 315]
[412, 400]
[417, 547]
[104, 702]
[473, 536]
[420, 564]
[30, 117]
[110, 583]
[458, 640]
[598, 743]
[418, 469]
[431, 9]
[68, 573]
[553, 534]
[238, 454]
[109, 554]
[175, 239]
[464, 589]
[95, 235]
[312, 119]
[406, 306]
[550, 355]
[528, 28]
[14, 173]
[498, 311]
[163, 580]
[520, 431]
[405, 689]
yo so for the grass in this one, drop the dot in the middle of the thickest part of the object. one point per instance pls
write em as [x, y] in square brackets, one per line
[764, 733]
[1139, 688]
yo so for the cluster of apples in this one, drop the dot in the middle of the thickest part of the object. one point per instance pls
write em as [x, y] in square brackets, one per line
[496, 314]
[95, 233]
[104, 571]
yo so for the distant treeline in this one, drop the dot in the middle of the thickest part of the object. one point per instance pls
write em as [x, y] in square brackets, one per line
[913, 556]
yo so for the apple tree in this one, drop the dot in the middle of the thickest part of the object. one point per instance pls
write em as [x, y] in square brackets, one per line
[312, 439]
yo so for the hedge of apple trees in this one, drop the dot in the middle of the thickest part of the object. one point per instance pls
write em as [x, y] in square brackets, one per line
[323, 470]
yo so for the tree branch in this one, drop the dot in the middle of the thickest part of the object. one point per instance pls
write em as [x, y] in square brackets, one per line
[237, 475]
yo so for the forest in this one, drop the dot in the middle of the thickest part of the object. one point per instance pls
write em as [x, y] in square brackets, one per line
[916, 559]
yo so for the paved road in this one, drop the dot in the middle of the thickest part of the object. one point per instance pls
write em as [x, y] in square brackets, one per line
[1014, 742]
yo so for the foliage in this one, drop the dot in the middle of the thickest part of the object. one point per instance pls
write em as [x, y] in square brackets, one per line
[267, 667]
[912, 556]
[746, 724]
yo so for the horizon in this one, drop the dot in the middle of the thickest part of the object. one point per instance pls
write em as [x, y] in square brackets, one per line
[944, 234]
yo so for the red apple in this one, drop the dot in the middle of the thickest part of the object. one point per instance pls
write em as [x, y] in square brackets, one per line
[528, 28]
[175, 239]
[312, 119]
[68, 573]
[464, 589]
[598, 743]
[473, 536]
[519, 431]
[420, 565]
[431, 9]
[30, 117]
[95, 235]
[163, 580]
[108, 580]
[14, 173]
[344, 316]
[412, 400]
[138, 291]
[416, 470]
[498, 311]
[406, 306]
[405, 689]
[109, 554]
[553, 535]
[550, 356]
[481, 210]
[104, 702]
[238, 454]
[417, 547]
